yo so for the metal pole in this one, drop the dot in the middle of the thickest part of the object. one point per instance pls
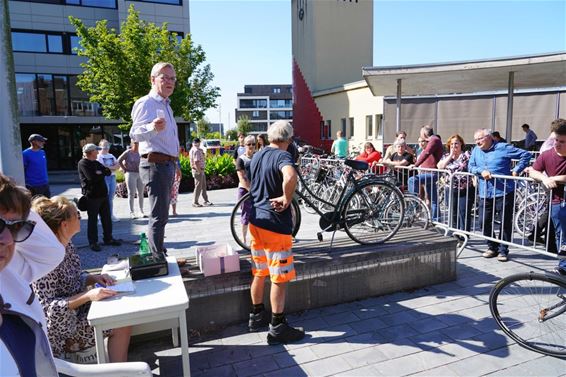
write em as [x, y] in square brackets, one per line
[510, 89]
[11, 163]
[398, 113]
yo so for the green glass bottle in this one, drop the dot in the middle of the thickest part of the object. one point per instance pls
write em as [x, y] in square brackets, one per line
[144, 246]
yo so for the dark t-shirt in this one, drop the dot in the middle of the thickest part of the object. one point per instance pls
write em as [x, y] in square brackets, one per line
[266, 183]
[552, 164]
[402, 174]
[243, 163]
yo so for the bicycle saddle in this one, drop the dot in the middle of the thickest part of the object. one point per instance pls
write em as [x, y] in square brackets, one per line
[356, 164]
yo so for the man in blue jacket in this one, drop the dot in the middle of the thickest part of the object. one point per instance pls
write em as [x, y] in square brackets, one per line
[496, 195]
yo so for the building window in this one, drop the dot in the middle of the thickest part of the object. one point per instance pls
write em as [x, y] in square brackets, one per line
[53, 95]
[276, 90]
[280, 103]
[343, 126]
[369, 126]
[276, 115]
[37, 42]
[85, 3]
[45, 95]
[351, 127]
[326, 130]
[61, 87]
[253, 104]
[169, 2]
[378, 126]
[26, 94]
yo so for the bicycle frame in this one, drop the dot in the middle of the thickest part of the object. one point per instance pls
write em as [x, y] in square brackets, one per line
[333, 217]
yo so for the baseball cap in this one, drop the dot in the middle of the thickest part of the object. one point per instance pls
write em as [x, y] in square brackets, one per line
[37, 137]
[90, 147]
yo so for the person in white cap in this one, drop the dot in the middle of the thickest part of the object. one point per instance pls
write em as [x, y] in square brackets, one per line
[93, 185]
[35, 166]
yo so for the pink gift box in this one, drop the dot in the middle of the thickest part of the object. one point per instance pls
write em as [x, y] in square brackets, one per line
[217, 259]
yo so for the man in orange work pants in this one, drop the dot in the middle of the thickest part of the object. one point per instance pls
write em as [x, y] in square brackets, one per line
[273, 181]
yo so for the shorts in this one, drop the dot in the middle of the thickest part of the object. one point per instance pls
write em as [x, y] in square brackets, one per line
[246, 207]
[272, 255]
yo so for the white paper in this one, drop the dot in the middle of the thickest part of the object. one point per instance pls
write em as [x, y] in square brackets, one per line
[124, 287]
[160, 114]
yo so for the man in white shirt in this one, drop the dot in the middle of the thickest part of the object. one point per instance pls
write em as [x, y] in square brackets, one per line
[154, 127]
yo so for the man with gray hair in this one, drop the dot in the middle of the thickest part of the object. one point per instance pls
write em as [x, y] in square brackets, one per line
[496, 194]
[273, 181]
[154, 127]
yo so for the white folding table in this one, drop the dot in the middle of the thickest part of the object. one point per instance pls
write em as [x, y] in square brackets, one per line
[157, 299]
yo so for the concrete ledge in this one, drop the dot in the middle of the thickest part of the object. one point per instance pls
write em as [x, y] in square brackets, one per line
[347, 272]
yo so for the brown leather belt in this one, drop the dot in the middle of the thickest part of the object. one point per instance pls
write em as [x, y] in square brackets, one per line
[156, 157]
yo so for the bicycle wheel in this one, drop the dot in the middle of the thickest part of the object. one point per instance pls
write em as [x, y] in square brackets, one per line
[530, 308]
[365, 219]
[240, 232]
[417, 213]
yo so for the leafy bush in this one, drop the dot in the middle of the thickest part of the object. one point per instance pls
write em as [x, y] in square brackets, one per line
[120, 176]
[221, 165]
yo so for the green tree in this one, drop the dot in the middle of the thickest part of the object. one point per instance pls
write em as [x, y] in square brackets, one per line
[203, 127]
[244, 125]
[232, 134]
[117, 71]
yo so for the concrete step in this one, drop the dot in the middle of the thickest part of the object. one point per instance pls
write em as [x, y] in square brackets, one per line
[414, 258]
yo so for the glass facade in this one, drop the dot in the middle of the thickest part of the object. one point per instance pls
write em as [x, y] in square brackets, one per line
[26, 94]
[52, 95]
[170, 2]
[44, 42]
[275, 115]
[253, 103]
[280, 103]
[85, 3]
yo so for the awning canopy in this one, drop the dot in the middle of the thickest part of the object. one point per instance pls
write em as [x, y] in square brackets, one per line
[539, 71]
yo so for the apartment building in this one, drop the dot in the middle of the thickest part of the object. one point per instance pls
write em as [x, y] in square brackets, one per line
[46, 67]
[264, 104]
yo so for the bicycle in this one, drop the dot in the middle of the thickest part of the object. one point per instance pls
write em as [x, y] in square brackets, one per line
[368, 209]
[529, 308]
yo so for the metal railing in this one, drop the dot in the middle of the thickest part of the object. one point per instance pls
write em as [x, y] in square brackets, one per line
[504, 210]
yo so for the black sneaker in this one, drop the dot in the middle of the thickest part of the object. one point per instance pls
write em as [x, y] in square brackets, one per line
[258, 321]
[113, 242]
[283, 334]
[95, 246]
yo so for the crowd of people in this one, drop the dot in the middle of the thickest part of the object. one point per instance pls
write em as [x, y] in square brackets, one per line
[490, 156]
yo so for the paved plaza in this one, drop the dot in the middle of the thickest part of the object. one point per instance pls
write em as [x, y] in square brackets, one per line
[441, 330]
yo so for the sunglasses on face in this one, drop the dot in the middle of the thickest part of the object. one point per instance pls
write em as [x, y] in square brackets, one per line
[20, 229]
[250, 145]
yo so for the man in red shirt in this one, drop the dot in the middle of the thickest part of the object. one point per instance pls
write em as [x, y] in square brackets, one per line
[550, 169]
[428, 159]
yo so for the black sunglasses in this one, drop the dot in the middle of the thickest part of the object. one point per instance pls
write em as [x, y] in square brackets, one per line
[20, 229]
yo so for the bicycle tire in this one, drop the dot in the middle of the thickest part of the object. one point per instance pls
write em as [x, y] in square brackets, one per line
[236, 226]
[517, 302]
[364, 215]
[417, 213]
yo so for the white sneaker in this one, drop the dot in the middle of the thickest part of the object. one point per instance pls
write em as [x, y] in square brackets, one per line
[133, 215]
[143, 215]
[115, 219]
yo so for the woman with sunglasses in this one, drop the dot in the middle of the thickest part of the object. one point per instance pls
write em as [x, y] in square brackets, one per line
[28, 251]
[64, 292]
[243, 169]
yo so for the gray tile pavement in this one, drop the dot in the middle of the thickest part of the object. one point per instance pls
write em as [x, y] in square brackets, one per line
[442, 330]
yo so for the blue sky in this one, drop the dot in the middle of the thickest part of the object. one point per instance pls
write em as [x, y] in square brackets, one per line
[249, 42]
